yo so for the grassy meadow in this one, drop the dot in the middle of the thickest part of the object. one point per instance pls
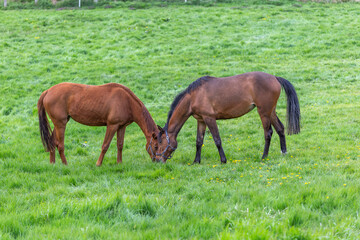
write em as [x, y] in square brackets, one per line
[313, 192]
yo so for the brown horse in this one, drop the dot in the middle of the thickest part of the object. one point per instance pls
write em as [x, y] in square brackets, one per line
[112, 105]
[208, 99]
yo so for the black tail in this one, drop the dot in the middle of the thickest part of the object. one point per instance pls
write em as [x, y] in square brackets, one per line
[293, 107]
[45, 130]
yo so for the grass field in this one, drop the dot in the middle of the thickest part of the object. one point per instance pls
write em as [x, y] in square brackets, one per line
[313, 192]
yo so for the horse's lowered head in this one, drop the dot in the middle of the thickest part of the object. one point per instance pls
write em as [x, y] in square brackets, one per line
[152, 147]
[167, 145]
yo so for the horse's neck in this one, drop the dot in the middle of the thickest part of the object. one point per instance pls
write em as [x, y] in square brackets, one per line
[180, 115]
[143, 118]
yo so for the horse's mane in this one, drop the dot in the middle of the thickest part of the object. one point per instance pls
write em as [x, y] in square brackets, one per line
[150, 124]
[148, 119]
[193, 86]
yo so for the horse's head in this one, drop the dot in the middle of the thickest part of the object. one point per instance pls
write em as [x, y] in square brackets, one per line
[152, 147]
[167, 145]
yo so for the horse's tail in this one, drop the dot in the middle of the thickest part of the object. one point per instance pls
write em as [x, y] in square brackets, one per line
[293, 106]
[45, 130]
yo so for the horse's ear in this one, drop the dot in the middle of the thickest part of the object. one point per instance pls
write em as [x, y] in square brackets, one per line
[154, 136]
[160, 129]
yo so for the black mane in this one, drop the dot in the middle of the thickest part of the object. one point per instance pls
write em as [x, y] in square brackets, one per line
[193, 86]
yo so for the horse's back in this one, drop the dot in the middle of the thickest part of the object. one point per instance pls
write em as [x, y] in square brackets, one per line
[88, 104]
[244, 86]
[234, 96]
[66, 90]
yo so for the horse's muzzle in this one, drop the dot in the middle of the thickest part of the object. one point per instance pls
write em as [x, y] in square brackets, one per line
[161, 160]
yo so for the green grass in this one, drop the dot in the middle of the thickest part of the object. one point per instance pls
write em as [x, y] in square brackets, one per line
[311, 193]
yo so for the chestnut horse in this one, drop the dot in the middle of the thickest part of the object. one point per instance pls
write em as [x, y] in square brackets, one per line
[208, 99]
[112, 105]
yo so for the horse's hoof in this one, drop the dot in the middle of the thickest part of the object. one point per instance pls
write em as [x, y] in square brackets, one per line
[195, 162]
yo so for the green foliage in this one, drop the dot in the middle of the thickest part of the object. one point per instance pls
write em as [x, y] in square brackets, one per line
[132, 4]
[310, 193]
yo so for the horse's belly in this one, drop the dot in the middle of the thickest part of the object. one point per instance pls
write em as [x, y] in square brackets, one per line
[89, 120]
[234, 112]
[99, 117]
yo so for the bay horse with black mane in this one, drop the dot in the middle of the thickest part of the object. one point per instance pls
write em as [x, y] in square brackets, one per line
[112, 105]
[209, 98]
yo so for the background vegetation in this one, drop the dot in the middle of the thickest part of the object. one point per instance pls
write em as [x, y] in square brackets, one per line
[311, 193]
[142, 4]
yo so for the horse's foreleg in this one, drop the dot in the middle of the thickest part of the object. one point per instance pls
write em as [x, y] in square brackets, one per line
[110, 132]
[267, 133]
[279, 127]
[211, 123]
[120, 143]
[201, 127]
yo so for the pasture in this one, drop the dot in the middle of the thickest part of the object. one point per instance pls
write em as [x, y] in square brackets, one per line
[313, 192]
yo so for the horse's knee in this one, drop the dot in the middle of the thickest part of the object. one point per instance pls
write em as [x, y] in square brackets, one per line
[61, 148]
[281, 134]
[199, 143]
[104, 148]
[269, 134]
[218, 143]
[120, 146]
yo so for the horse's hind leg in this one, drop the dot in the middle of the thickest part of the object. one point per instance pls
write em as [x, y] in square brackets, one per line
[52, 157]
[52, 153]
[110, 132]
[60, 137]
[211, 123]
[279, 127]
[267, 134]
[120, 142]
[201, 127]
